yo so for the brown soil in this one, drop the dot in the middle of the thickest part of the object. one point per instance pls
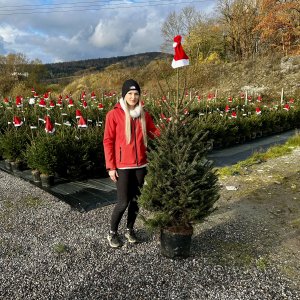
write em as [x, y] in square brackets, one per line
[266, 205]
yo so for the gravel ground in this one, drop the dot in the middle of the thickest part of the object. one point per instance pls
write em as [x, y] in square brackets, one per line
[49, 251]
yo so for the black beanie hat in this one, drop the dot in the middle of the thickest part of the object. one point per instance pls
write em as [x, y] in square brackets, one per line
[130, 85]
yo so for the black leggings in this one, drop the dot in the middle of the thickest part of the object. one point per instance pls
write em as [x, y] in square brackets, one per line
[128, 188]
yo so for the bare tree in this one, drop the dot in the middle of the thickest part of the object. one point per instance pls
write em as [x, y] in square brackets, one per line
[239, 20]
[178, 23]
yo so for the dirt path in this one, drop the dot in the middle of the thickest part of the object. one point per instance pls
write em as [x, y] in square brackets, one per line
[266, 204]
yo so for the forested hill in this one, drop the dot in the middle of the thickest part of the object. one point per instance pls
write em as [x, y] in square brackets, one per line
[77, 68]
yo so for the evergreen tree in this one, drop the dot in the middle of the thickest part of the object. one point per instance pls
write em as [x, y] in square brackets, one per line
[181, 186]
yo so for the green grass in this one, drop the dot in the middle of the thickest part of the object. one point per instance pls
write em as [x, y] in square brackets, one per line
[32, 202]
[259, 157]
[262, 263]
[295, 223]
[60, 248]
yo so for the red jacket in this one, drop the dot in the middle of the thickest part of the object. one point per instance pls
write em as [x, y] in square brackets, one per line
[118, 154]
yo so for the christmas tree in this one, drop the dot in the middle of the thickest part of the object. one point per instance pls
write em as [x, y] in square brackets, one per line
[181, 185]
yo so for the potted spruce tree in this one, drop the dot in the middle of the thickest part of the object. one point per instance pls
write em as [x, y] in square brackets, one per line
[42, 157]
[13, 142]
[181, 186]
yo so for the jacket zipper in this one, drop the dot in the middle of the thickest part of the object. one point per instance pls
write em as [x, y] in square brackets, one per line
[134, 132]
[120, 154]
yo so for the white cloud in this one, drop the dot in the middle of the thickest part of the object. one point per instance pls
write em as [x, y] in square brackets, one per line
[107, 34]
[75, 35]
[9, 33]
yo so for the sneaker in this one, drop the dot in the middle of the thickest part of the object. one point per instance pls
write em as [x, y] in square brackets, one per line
[130, 236]
[114, 240]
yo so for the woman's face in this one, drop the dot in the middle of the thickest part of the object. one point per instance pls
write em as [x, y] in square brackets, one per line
[132, 98]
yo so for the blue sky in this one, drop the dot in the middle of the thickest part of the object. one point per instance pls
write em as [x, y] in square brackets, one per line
[66, 30]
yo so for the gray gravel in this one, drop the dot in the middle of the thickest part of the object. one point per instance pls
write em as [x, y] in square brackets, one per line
[49, 251]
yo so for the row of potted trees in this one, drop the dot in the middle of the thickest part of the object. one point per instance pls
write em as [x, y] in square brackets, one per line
[68, 154]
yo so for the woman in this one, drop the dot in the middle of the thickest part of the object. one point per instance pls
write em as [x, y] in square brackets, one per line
[127, 126]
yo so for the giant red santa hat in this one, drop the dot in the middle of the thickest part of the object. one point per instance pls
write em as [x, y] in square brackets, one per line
[180, 58]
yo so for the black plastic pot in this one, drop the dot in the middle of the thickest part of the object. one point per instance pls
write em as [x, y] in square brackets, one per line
[176, 243]
[47, 180]
[36, 176]
[8, 165]
[16, 166]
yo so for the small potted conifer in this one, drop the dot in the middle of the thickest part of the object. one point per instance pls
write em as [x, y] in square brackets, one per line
[180, 187]
[13, 143]
[42, 157]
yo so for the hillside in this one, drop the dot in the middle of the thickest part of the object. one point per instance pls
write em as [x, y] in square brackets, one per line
[265, 76]
[56, 71]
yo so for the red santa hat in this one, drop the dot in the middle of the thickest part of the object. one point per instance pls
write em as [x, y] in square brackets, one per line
[17, 121]
[78, 114]
[52, 104]
[286, 107]
[42, 103]
[84, 104]
[46, 96]
[18, 101]
[258, 111]
[59, 102]
[100, 106]
[93, 95]
[233, 115]
[227, 108]
[49, 128]
[82, 123]
[71, 103]
[180, 58]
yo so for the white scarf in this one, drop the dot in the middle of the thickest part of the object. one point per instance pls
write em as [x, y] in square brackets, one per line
[134, 113]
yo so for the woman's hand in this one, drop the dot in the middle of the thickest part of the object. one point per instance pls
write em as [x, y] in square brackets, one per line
[113, 174]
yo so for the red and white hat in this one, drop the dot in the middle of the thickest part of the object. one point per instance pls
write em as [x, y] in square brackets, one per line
[258, 111]
[286, 107]
[42, 103]
[71, 102]
[82, 122]
[100, 106]
[19, 101]
[93, 95]
[52, 104]
[59, 102]
[227, 108]
[46, 96]
[180, 58]
[233, 115]
[84, 104]
[78, 114]
[49, 128]
[17, 121]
